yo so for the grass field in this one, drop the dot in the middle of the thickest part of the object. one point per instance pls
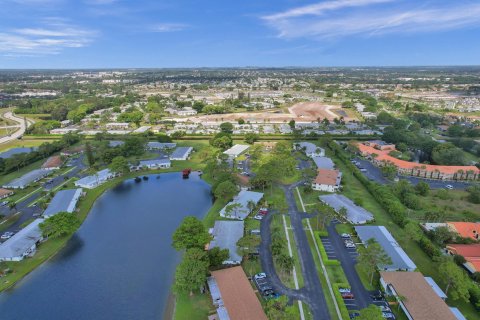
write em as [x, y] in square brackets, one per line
[24, 143]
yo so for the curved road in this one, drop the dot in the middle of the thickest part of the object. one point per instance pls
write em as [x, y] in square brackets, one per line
[21, 122]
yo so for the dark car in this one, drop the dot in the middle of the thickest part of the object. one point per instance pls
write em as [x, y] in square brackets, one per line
[377, 295]
[353, 315]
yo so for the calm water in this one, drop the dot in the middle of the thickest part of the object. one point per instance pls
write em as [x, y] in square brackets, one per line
[120, 264]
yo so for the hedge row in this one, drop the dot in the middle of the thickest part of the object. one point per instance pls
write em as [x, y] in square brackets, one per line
[340, 301]
[323, 253]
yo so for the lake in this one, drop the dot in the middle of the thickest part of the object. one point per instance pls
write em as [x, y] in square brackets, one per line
[120, 263]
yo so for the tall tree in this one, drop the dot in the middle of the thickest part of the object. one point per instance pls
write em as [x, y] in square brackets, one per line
[119, 165]
[216, 256]
[191, 273]
[225, 190]
[190, 234]
[457, 282]
[89, 154]
[61, 224]
[371, 256]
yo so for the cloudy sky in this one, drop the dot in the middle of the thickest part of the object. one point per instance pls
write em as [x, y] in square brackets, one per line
[218, 33]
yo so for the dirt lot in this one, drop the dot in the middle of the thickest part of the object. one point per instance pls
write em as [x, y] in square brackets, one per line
[300, 112]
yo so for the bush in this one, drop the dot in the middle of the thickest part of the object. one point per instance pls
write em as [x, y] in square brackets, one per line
[323, 253]
[430, 249]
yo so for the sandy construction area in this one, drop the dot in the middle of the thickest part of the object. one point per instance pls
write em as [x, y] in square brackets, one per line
[300, 112]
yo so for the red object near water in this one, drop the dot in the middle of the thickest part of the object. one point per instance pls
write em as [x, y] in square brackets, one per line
[186, 173]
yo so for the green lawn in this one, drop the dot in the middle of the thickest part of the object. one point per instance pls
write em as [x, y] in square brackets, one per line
[24, 143]
[196, 307]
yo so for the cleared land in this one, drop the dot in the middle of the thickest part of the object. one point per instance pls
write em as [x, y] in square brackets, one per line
[300, 112]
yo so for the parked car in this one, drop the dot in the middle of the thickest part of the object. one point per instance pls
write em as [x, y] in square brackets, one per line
[385, 308]
[7, 235]
[377, 295]
[349, 245]
[345, 236]
[4, 203]
[258, 217]
[343, 290]
[347, 295]
[449, 187]
[244, 173]
[261, 275]
[363, 170]
[353, 315]
[388, 315]
[263, 211]
[255, 232]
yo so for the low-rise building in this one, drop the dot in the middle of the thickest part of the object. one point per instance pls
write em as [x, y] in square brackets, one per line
[323, 163]
[311, 150]
[241, 205]
[153, 145]
[117, 126]
[225, 236]
[236, 150]
[4, 193]
[95, 180]
[181, 153]
[327, 180]
[466, 229]
[155, 164]
[63, 201]
[233, 295]
[416, 297]
[355, 214]
[23, 243]
[27, 179]
[400, 260]
[53, 163]
[471, 253]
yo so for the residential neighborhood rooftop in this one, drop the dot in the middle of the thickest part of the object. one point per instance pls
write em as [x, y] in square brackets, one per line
[237, 294]
[236, 150]
[420, 300]
[328, 177]
[63, 201]
[225, 236]
[241, 200]
[28, 178]
[22, 241]
[355, 214]
[400, 260]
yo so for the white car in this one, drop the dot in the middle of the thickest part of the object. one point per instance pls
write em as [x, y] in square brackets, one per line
[258, 217]
[261, 275]
[7, 235]
[349, 245]
[343, 290]
[449, 186]
[345, 235]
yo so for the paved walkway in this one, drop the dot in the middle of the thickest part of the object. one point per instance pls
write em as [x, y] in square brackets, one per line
[21, 123]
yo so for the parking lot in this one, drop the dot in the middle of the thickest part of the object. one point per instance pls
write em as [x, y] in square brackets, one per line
[374, 173]
[336, 248]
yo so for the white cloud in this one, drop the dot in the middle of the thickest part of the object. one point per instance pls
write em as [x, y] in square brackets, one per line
[168, 27]
[297, 23]
[49, 39]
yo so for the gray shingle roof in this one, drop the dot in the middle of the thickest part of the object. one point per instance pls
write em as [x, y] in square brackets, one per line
[355, 214]
[226, 234]
[400, 260]
[181, 153]
[20, 243]
[243, 198]
[63, 201]
[28, 178]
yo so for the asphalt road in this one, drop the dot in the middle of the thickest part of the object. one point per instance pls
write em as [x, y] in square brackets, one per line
[311, 293]
[9, 115]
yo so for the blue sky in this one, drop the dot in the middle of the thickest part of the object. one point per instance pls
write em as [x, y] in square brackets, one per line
[227, 33]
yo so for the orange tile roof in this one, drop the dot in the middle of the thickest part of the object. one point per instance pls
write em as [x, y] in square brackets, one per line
[237, 294]
[466, 229]
[382, 155]
[327, 177]
[420, 300]
[466, 250]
